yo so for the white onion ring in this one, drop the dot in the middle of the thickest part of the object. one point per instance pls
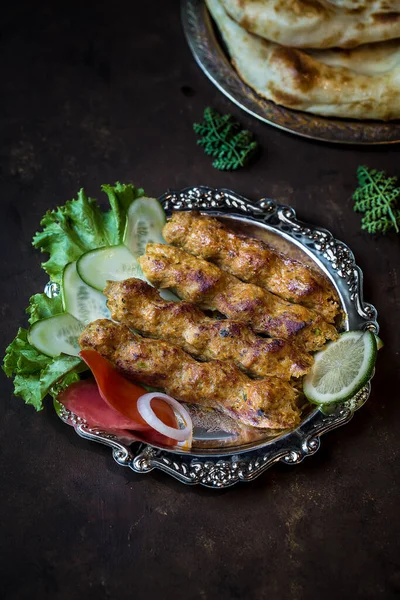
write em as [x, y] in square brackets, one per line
[148, 415]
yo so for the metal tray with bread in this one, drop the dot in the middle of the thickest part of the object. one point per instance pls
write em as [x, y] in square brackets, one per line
[361, 84]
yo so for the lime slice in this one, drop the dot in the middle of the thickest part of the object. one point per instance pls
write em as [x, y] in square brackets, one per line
[342, 368]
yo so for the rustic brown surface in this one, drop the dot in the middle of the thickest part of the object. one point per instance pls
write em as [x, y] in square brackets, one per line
[92, 93]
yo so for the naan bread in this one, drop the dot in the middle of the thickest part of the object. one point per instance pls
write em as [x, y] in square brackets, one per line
[318, 23]
[363, 83]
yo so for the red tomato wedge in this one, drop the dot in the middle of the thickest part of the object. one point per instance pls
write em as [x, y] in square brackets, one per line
[122, 394]
[83, 399]
[113, 402]
[119, 393]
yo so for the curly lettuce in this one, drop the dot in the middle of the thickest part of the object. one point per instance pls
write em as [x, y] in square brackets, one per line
[36, 375]
[80, 225]
[68, 231]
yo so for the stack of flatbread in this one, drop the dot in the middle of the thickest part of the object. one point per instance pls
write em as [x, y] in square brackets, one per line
[337, 58]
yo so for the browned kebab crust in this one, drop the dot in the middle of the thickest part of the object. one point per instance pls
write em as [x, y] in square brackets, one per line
[264, 403]
[196, 280]
[136, 304]
[252, 261]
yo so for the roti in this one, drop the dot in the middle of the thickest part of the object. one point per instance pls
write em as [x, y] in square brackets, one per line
[363, 83]
[318, 23]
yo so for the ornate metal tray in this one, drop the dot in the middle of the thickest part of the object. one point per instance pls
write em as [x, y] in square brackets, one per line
[216, 464]
[211, 57]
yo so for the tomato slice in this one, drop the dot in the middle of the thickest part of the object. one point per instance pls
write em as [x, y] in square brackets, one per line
[121, 395]
[118, 392]
[83, 399]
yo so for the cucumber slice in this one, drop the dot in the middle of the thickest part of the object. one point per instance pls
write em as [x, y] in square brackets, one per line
[112, 263]
[144, 223]
[56, 335]
[81, 300]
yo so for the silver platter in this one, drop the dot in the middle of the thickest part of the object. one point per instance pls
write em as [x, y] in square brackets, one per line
[214, 462]
[211, 57]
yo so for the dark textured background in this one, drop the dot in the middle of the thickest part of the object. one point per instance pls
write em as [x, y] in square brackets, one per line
[109, 91]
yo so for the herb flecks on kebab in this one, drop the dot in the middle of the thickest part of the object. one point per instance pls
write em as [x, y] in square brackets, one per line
[139, 306]
[252, 261]
[196, 280]
[264, 403]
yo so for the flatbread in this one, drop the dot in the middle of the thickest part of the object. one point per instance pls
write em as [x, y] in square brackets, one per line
[318, 23]
[363, 83]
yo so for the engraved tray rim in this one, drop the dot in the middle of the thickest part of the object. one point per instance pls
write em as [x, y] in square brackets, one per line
[225, 467]
[212, 59]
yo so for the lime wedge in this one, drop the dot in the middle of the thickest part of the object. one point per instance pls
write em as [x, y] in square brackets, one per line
[342, 368]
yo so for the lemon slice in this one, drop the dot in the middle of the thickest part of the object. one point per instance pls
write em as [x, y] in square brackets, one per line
[342, 368]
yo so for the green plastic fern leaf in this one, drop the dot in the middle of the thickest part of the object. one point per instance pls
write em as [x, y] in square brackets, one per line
[376, 197]
[222, 138]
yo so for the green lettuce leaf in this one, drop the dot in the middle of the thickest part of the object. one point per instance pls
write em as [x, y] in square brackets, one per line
[65, 382]
[21, 357]
[80, 225]
[60, 373]
[120, 197]
[41, 307]
[68, 231]
[35, 374]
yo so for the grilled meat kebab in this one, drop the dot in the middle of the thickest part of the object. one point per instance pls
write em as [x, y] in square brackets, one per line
[198, 281]
[253, 261]
[263, 403]
[136, 304]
